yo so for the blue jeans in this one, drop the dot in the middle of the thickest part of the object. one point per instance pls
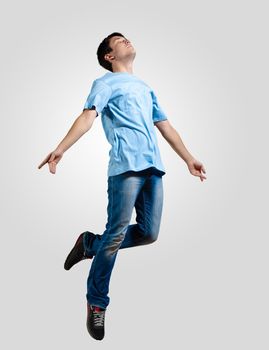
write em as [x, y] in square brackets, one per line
[142, 190]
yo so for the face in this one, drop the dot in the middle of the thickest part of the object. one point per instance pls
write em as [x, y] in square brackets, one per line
[121, 48]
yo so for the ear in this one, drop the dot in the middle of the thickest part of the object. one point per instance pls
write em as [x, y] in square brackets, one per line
[109, 57]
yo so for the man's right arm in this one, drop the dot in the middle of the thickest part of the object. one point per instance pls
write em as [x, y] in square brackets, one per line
[81, 125]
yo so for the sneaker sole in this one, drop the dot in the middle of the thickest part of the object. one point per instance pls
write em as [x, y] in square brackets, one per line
[71, 252]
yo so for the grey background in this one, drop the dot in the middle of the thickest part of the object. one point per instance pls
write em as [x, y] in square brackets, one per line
[203, 284]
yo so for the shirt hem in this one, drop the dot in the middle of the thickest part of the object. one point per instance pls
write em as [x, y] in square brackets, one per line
[156, 170]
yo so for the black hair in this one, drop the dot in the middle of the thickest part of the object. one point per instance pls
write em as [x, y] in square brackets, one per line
[105, 48]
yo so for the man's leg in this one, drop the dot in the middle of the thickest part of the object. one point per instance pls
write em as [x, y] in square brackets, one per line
[123, 191]
[148, 206]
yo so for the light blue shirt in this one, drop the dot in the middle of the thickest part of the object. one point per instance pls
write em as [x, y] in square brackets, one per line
[129, 108]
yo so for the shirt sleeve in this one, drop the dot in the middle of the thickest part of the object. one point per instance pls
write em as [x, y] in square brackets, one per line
[157, 111]
[98, 97]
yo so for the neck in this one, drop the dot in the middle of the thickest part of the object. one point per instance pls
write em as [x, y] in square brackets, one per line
[119, 67]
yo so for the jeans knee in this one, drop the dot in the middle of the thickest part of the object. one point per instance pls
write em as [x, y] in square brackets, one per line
[114, 244]
[151, 238]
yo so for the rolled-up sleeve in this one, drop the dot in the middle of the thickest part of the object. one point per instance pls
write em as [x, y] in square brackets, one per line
[157, 111]
[98, 97]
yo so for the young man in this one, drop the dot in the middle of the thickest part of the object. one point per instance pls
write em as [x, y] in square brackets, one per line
[130, 110]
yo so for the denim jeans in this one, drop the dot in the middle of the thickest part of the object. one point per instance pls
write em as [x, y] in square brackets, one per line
[141, 190]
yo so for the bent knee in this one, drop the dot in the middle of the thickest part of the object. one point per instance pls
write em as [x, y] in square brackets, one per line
[151, 238]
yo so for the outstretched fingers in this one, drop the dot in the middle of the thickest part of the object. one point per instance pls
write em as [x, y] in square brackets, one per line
[52, 167]
[44, 161]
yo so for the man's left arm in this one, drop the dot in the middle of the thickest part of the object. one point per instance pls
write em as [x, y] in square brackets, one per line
[172, 137]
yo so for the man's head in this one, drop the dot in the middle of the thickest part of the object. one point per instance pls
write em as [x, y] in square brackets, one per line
[115, 47]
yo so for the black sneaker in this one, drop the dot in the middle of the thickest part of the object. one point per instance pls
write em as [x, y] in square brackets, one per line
[78, 252]
[96, 321]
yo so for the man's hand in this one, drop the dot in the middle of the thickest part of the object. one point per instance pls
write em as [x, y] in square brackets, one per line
[52, 159]
[196, 168]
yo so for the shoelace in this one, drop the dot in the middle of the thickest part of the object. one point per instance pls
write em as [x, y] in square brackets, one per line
[99, 317]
